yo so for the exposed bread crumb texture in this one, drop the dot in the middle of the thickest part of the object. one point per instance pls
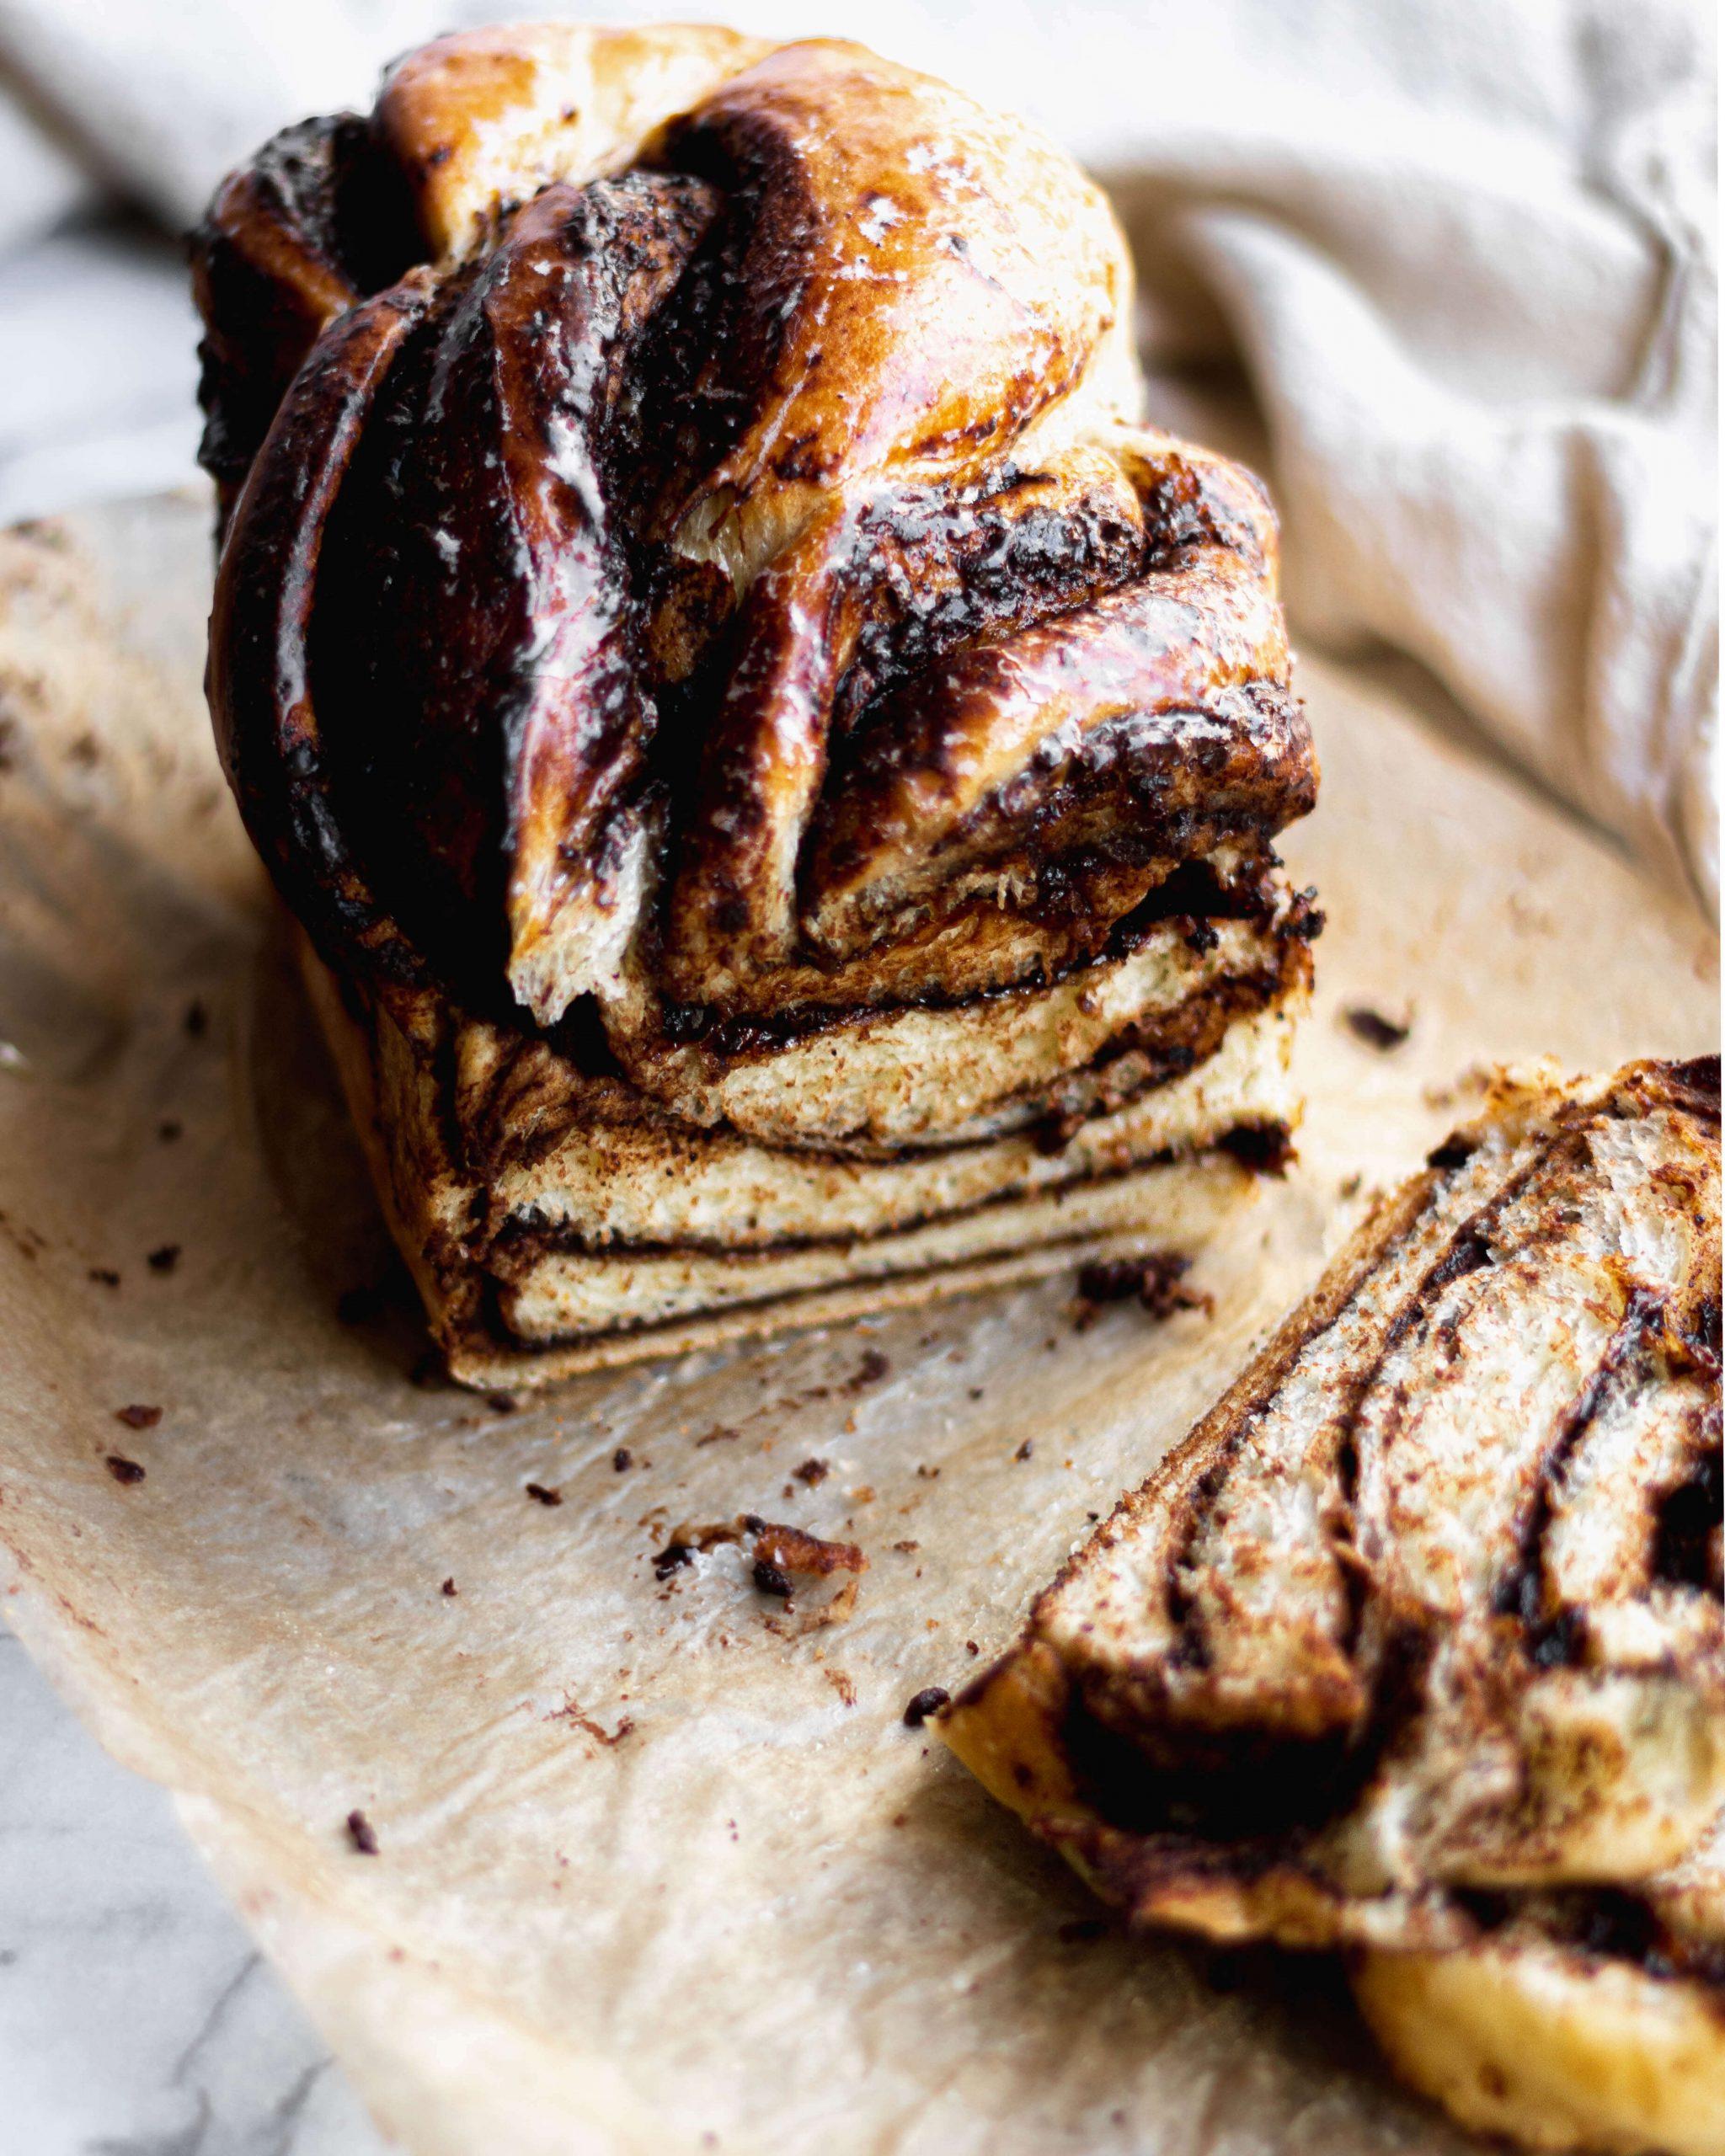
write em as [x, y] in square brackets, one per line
[1415, 1646]
[777, 766]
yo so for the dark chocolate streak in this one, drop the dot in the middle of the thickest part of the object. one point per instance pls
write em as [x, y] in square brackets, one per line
[523, 1240]
[1266, 1783]
[497, 1327]
[1552, 1632]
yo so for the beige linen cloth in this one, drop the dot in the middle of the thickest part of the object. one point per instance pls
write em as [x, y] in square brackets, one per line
[1464, 251]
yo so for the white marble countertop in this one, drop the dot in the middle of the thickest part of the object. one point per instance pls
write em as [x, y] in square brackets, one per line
[136, 2017]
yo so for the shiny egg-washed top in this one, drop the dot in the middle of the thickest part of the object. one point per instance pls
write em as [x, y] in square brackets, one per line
[685, 517]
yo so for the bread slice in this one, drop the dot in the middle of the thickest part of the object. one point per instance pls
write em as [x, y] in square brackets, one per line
[1429, 1608]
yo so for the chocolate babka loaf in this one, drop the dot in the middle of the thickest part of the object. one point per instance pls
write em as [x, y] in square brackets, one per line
[776, 767]
[1416, 1645]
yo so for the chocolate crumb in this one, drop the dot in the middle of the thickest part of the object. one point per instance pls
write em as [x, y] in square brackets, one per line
[813, 1472]
[196, 1021]
[502, 1403]
[926, 1474]
[1453, 1153]
[1266, 1149]
[1375, 1030]
[971, 1647]
[872, 1367]
[164, 1258]
[124, 1470]
[1155, 1279]
[104, 1276]
[772, 1579]
[542, 1496]
[907, 1547]
[623, 1459]
[362, 1834]
[1024, 1450]
[449, 1588]
[674, 1555]
[721, 1433]
[928, 1701]
[138, 1418]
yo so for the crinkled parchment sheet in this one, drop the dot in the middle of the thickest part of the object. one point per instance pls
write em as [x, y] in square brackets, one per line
[656, 1870]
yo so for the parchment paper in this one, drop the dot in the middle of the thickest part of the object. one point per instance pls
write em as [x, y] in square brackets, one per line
[655, 1868]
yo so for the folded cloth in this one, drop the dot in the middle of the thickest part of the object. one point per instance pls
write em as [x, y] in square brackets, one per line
[1465, 254]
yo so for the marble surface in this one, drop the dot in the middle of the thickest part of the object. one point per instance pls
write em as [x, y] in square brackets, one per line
[136, 2017]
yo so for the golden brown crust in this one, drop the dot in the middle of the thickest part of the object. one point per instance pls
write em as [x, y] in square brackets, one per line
[1572, 2022]
[484, 119]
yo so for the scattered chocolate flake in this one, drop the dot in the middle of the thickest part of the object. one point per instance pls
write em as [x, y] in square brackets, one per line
[623, 1459]
[163, 1258]
[928, 1701]
[907, 1547]
[449, 1588]
[1077, 1931]
[104, 1276]
[138, 1418]
[124, 1470]
[772, 1579]
[542, 1496]
[872, 1367]
[1154, 1278]
[502, 1403]
[926, 1474]
[1265, 1148]
[169, 1129]
[971, 1647]
[196, 1021]
[1453, 1153]
[362, 1834]
[814, 1472]
[672, 1558]
[1024, 1450]
[1199, 935]
[1374, 1028]
[721, 1433]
